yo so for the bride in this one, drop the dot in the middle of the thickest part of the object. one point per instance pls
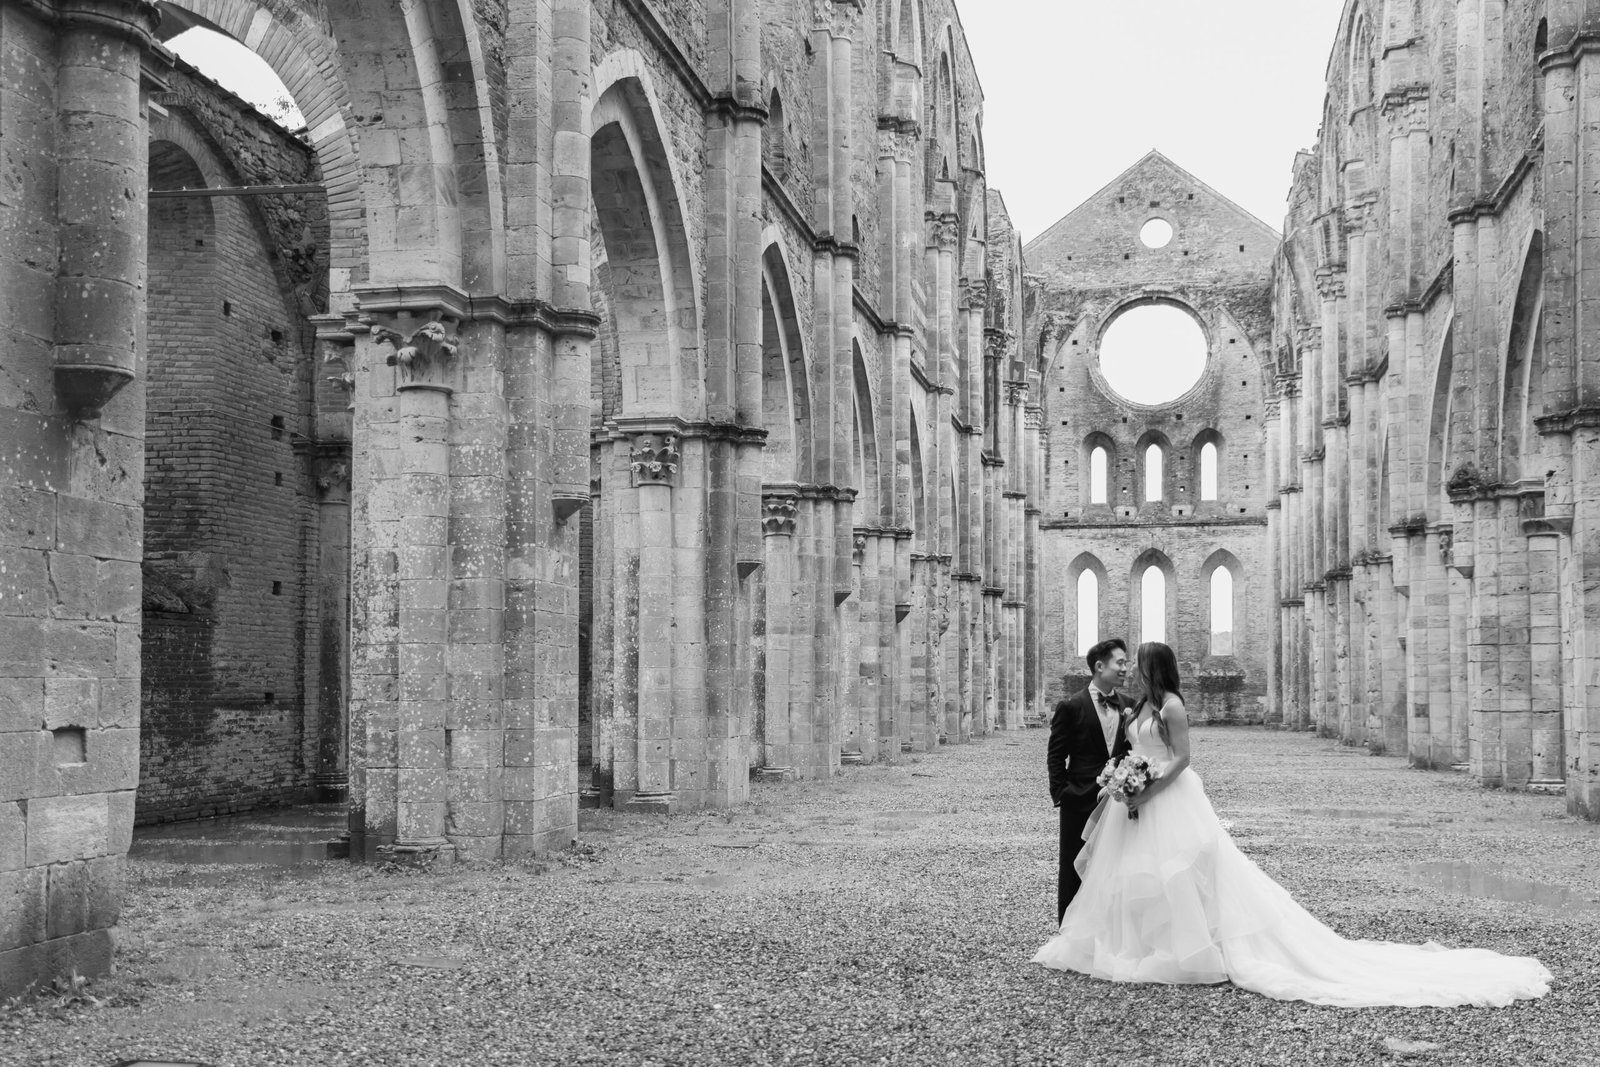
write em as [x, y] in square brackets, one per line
[1167, 897]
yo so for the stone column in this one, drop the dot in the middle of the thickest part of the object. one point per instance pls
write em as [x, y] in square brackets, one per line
[778, 526]
[332, 776]
[654, 459]
[858, 643]
[422, 357]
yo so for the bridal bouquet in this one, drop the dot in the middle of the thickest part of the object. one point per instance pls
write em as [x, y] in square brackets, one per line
[1126, 778]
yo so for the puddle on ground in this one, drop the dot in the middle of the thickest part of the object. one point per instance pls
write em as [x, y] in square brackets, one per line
[272, 853]
[1474, 880]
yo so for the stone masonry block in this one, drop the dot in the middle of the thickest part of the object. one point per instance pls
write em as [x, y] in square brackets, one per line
[71, 702]
[16, 765]
[27, 518]
[22, 907]
[89, 954]
[61, 829]
[66, 899]
[90, 588]
[13, 835]
[106, 531]
[107, 879]
[21, 704]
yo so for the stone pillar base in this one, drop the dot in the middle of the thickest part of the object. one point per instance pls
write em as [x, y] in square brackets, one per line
[649, 804]
[852, 759]
[1553, 787]
[591, 797]
[332, 788]
[775, 774]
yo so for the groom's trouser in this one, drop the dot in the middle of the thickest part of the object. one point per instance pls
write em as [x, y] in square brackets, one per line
[1073, 820]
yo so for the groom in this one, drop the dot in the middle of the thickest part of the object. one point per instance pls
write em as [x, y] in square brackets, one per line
[1087, 730]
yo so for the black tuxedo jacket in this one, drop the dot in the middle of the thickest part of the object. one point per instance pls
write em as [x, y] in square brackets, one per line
[1077, 751]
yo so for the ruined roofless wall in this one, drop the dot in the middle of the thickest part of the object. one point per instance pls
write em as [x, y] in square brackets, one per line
[1083, 272]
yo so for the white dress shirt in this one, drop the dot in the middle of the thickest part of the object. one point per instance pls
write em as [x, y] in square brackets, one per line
[1108, 714]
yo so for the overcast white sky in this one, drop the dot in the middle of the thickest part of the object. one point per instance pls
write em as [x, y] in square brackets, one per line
[1075, 91]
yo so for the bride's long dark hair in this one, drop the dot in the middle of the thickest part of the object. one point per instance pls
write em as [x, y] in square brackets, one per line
[1158, 670]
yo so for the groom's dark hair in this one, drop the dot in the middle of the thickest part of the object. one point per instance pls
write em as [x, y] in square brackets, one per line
[1102, 651]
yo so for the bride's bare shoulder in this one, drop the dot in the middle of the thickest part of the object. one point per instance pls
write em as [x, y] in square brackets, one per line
[1173, 706]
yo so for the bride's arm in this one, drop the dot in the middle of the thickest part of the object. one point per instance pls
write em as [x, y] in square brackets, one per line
[1178, 730]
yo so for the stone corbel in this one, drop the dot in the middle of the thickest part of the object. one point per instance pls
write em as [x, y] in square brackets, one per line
[338, 359]
[332, 471]
[653, 458]
[564, 506]
[1455, 548]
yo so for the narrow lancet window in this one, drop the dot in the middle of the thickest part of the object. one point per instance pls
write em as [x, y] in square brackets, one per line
[1153, 605]
[1208, 471]
[1097, 476]
[1152, 473]
[1088, 611]
[1221, 612]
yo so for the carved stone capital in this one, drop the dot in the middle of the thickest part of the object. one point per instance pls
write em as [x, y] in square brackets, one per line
[653, 458]
[333, 476]
[1016, 393]
[424, 355]
[1330, 286]
[778, 515]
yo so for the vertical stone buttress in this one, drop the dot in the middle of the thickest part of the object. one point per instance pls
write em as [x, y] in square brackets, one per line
[733, 389]
[73, 99]
[1571, 400]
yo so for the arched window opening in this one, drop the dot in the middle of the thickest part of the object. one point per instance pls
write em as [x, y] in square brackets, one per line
[1222, 612]
[774, 148]
[1152, 473]
[1208, 471]
[1153, 605]
[238, 69]
[1088, 611]
[1097, 476]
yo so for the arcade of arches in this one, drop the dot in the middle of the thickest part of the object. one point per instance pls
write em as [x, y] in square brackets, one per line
[608, 402]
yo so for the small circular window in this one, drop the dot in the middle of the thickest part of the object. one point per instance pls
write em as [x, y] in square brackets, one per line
[1157, 233]
[1153, 353]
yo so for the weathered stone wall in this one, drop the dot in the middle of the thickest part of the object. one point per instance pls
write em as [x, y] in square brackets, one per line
[1432, 545]
[1083, 272]
[229, 667]
[71, 457]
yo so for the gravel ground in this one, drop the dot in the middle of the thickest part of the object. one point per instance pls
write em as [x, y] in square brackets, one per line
[885, 916]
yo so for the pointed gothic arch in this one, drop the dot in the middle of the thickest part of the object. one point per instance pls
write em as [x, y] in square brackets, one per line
[651, 295]
[785, 388]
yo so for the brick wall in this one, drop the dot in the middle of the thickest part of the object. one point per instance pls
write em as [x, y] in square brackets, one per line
[229, 499]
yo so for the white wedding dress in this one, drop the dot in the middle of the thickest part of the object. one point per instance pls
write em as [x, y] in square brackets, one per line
[1169, 898]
